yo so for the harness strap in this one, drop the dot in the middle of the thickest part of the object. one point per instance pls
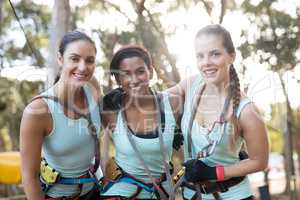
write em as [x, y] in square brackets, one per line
[90, 195]
[75, 181]
[159, 102]
[141, 185]
[162, 149]
[93, 132]
[195, 103]
[70, 181]
[91, 127]
[147, 187]
[137, 192]
[212, 187]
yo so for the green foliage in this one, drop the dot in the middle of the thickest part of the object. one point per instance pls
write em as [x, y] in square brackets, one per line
[277, 35]
[275, 38]
[143, 28]
[276, 124]
[275, 139]
[296, 122]
[35, 19]
[14, 96]
[275, 127]
[278, 112]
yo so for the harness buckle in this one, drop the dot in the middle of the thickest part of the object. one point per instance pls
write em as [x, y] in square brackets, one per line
[48, 174]
[203, 187]
[222, 187]
[113, 171]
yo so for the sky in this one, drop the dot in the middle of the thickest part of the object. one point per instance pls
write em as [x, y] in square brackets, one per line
[264, 86]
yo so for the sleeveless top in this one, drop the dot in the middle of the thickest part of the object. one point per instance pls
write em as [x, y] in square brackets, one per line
[69, 148]
[149, 148]
[223, 154]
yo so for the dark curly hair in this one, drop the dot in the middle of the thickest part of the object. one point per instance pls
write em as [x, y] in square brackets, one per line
[129, 51]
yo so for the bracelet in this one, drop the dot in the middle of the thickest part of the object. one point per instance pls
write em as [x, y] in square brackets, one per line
[220, 171]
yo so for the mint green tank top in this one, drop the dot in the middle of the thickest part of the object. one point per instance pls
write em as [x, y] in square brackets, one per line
[149, 148]
[69, 148]
[223, 154]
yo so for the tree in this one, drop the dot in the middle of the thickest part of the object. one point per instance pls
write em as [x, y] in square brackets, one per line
[1, 43]
[275, 125]
[147, 32]
[34, 18]
[14, 95]
[59, 26]
[276, 40]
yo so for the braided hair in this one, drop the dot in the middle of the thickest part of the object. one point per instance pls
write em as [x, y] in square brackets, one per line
[234, 86]
[236, 98]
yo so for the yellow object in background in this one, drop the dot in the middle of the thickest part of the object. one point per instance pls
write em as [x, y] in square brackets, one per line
[10, 172]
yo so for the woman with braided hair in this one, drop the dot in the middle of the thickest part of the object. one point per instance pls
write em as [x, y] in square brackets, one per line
[218, 121]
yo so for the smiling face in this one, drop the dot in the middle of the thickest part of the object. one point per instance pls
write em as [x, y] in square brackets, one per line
[213, 59]
[78, 62]
[134, 76]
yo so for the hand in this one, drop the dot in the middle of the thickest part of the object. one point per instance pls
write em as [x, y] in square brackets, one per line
[178, 139]
[198, 171]
[113, 100]
[243, 155]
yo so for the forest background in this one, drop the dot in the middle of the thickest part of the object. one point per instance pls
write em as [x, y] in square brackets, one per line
[266, 34]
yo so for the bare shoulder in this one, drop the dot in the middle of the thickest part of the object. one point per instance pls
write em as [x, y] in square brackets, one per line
[181, 87]
[254, 133]
[36, 108]
[251, 115]
[36, 118]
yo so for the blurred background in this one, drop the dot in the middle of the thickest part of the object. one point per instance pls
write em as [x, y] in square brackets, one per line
[266, 34]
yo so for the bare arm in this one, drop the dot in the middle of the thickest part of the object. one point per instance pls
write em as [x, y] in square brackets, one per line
[108, 121]
[177, 106]
[34, 125]
[178, 90]
[105, 148]
[177, 94]
[255, 135]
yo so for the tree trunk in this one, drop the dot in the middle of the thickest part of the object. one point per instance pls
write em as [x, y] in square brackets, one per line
[59, 26]
[288, 150]
[223, 10]
[156, 45]
[108, 43]
[1, 40]
[74, 18]
[152, 37]
[14, 137]
[296, 141]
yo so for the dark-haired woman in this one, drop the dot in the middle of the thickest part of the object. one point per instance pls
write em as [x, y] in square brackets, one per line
[218, 120]
[141, 128]
[61, 127]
